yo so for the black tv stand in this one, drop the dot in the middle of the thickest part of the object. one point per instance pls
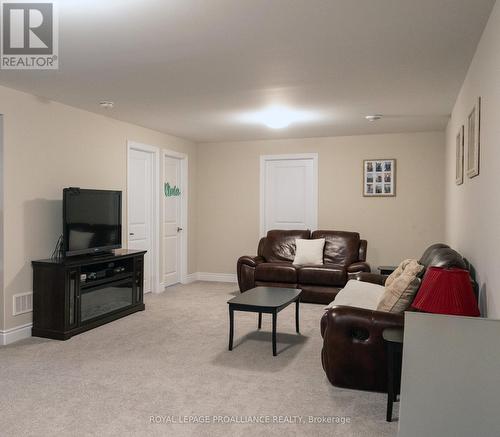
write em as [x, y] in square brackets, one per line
[99, 254]
[74, 294]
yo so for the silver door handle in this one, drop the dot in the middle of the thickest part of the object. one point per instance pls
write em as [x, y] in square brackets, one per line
[179, 229]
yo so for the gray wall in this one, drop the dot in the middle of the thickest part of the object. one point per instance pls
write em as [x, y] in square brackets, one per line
[451, 377]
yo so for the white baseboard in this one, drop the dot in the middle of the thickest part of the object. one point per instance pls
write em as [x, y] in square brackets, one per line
[210, 277]
[161, 289]
[192, 277]
[15, 334]
[217, 277]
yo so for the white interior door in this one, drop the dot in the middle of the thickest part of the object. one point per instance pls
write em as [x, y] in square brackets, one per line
[140, 208]
[172, 219]
[289, 192]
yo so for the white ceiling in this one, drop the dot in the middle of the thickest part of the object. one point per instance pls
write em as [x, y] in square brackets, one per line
[191, 67]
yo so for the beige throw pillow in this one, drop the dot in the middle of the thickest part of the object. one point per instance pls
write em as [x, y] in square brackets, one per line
[401, 288]
[396, 273]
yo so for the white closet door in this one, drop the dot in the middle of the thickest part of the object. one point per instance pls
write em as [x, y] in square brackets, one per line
[289, 198]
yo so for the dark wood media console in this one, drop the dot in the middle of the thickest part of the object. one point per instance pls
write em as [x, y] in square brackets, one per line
[75, 294]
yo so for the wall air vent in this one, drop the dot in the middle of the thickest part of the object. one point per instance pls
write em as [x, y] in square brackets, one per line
[23, 303]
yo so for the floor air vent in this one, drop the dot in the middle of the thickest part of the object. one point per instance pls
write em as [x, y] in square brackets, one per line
[23, 303]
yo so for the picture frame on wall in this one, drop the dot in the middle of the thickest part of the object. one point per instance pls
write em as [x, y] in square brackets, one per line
[379, 177]
[459, 173]
[473, 139]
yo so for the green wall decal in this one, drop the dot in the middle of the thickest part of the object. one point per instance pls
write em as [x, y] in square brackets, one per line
[171, 191]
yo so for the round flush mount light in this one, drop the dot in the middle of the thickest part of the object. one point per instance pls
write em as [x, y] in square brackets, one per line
[277, 117]
[374, 117]
[107, 104]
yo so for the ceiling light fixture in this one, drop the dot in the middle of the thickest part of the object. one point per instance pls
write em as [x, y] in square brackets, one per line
[372, 118]
[107, 104]
[277, 117]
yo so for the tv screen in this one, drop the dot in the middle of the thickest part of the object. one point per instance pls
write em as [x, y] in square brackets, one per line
[92, 221]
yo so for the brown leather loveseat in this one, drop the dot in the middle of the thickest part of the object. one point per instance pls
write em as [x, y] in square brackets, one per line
[354, 354]
[344, 253]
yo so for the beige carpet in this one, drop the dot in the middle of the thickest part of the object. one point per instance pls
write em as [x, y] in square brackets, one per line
[172, 360]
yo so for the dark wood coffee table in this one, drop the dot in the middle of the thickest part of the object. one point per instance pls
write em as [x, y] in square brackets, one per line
[270, 300]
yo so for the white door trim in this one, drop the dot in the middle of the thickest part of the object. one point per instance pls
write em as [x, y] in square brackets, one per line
[155, 238]
[184, 210]
[291, 157]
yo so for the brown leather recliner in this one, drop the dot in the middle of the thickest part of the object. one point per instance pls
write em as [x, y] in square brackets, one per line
[354, 354]
[344, 253]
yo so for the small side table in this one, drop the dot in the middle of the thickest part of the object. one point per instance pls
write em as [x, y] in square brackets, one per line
[386, 270]
[393, 338]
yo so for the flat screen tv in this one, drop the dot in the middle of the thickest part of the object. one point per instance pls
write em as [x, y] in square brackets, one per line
[92, 221]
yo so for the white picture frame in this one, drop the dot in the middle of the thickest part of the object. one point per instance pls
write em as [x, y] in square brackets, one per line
[379, 177]
[474, 139]
[459, 169]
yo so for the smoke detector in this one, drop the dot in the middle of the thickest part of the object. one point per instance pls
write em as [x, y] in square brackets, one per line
[107, 104]
[374, 117]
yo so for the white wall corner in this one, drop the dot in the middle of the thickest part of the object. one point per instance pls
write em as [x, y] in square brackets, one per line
[15, 334]
[191, 277]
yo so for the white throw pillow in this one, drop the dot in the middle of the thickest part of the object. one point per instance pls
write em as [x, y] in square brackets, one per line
[359, 294]
[309, 251]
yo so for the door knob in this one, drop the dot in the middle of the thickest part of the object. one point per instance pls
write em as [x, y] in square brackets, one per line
[179, 229]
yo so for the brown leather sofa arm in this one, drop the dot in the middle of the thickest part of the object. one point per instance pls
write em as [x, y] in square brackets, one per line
[363, 247]
[373, 321]
[353, 352]
[251, 261]
[374, 278]
[359, 266]
[245, 269]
